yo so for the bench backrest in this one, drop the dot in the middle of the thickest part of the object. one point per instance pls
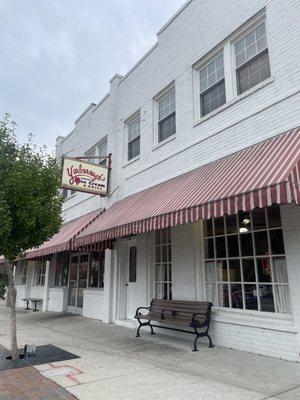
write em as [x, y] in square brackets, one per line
[183, 309]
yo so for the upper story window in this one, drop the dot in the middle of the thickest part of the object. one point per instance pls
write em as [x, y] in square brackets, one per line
[166, 115]
[212, 85]
[252, 59]
[239, 64]
[100, 150]
[133, 128]
[245, 264]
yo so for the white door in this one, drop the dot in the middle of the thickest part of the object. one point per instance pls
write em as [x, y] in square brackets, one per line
[131, 281]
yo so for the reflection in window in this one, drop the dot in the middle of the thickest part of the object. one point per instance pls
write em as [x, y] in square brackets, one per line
[245, 266]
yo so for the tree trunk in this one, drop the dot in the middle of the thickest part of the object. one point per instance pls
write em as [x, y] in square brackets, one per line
[11, 299]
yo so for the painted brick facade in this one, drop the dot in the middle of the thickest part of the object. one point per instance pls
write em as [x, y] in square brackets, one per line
[266, 110]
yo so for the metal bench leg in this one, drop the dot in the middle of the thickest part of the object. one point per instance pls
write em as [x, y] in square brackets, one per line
[210, 342]
[27, 305]
[35, 309]
[195, 348]
[138, 330]
[152, 331]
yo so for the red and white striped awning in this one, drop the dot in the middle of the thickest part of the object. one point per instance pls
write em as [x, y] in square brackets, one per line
[258, 176]
[64, 239]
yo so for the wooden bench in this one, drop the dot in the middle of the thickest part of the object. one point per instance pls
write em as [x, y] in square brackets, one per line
[32, 300]
[186, 314]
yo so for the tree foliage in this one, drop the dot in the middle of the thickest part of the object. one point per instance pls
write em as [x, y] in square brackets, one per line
[30, 203]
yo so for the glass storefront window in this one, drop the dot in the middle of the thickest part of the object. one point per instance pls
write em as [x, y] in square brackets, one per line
[245, 265]
[96, 275]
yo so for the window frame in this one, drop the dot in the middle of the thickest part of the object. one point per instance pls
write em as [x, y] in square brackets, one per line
[100, 270]
[227, 46]
[21, 276]
[40, 273]
[95, 151]
[200, 67]
[163, 93]
[242, 282]
[133, 118]
[160, 246]
[241, 34]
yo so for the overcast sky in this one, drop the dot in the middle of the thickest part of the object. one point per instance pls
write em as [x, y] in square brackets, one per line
[57, 56]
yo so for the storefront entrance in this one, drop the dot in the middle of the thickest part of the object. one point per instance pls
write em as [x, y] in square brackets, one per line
[78, 273]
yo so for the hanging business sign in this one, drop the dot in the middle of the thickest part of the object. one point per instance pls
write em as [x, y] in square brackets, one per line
[84, 176]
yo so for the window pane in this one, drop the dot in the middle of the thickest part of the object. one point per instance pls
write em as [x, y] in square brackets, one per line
[207, 227]
[164, 253]
[259, 219]
[212, 73]
[134, 148]
[244, 222]
[222, 271]
[211, 293]
[233, 246]
[282, 299]
[264, 270]
[132, 264]
[280, 270]
[166, 105]
[158, 272]
[261, 243]
[209, 248]
[219, 226]
[248, 270]
[133, 129]
[220, 247]
[251, 297]
[254, 72]
[157, 254]
[165, 236]
[251, 44]
[166, 127]
[274, 219]
[276, 238]
[213, 98]
[234, 271]
[223, 295]
[236, 296]
[210, 272]
[94, 269]
[231, 224]
[246, 244]
[266, 298]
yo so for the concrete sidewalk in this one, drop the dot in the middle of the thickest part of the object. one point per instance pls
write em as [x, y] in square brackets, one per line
[115, 365]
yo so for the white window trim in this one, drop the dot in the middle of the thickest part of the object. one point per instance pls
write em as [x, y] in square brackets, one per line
[127, 122]
[228, 50]
[156, 99]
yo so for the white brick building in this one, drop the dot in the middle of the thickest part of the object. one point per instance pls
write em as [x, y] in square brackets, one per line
[222, 76]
